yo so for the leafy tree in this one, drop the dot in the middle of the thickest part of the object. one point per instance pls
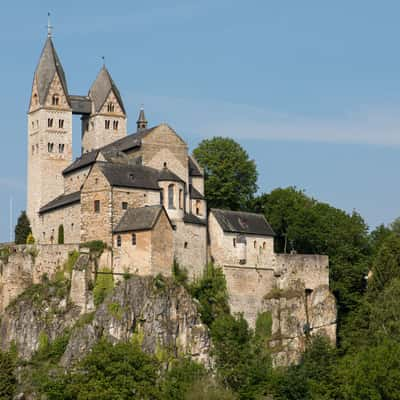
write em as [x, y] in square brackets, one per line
[208, 389]
[230, 176]
[22, 229]
[7, 377]
[211, 292]
[60, 238]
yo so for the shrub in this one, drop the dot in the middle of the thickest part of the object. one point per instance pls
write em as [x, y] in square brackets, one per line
[30, 239]
[95, 246]
[22, 229]
[179, 274]
[60, 234]
[8, 380]
[103, 286]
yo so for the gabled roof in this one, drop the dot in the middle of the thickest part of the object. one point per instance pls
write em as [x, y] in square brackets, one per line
[61, 201]
[192, 219]
[195, 194]
[49, 64]
[130, 176]
[140, 219]
[193, 168]
[84, 160]
[101, 88]
[167, 175]
[242, 222]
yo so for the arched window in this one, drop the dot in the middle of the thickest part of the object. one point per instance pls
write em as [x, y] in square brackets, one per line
[55, 100]
[234, 242]
[171, 196]
[50, 147]
[61, 148]
[185, 245]
[264, 246]
[61, 123]
[255, 244]
[181, 199]
[107, 124]
[97, 206]
[119, 241]
[110, 107]
[35, 99]
[133, 239]
[50, 122]
[115, 125]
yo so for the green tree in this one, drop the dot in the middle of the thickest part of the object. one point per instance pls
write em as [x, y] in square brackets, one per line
[22, 229]
[211, 292]
[7, 377]
[60, 239]
[230, 176]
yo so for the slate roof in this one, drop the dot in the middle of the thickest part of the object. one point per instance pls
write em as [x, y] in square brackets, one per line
[130, 176]
[80, 104]
[193, 169]
[195, 194]
[61, 201]
[167, 175]
[49, 64]
[192, 219]
[243, 222]
[102, 87]
[84, 160]
[139, 219]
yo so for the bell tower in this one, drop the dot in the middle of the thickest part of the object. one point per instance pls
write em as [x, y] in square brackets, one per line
[49, 134]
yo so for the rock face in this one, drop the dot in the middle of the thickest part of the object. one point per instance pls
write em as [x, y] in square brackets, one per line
[157, 313]
[160, 315]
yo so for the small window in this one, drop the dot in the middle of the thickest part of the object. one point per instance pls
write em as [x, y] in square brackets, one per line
[61, 148]
[162, 197]
[110, 107]
[33, 149]
[171, 196]
[185, 245]
[97, 206]
[50, 147]
[234, 242]
[50, 122]
[96, 181]
[197, 207]
[33, 124]
[115, 125]
[55, 100]
[255, 244]
[264, 246]
[165, 164]
[107, 124]
[35, 99]
[61, 123]
[72, 226]
[180, 198]
[119, 241]
[124, 205]
[133, 239]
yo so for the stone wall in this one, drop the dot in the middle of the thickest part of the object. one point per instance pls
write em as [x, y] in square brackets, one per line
[74, 180]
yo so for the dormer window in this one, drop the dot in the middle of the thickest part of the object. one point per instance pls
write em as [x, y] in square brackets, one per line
[107, 124]
[50, 122]
[55, 100]
[110, 107]
[115, 125]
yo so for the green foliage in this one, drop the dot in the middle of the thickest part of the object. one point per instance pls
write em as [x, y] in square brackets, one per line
[22, 229]
[264, 325]
[230, 176]
[104, 285]
[120, 371]
[4, 254]
[209, 389]
[8, 379]
[180, 378]
[179, 274]
[72, 259]
[115, 310]
[60, 237]
[210, 290]
[30, 239]
[160, 282]
[95, 246]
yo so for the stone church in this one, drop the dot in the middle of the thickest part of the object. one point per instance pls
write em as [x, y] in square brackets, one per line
[143, 195]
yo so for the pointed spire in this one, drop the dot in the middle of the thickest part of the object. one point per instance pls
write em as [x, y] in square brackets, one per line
[101, 89]
[142, 121]
[49, 26]
[49, 64]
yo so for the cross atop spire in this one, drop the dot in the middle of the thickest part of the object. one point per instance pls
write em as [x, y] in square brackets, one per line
[49, 26]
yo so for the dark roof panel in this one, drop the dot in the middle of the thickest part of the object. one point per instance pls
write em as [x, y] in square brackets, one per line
[84, 160]
[167, 175]
[130, 176]
[139, 219]
[243, 222]
[61, 201]
[195, 194]
[192, 219]
[80, 104]
[193, 169]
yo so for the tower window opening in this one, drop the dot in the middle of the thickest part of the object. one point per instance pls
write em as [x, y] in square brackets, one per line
[124, 205]
[133, 239]
[61, 148]
[115, 125]
[162, 197]
[171, 196]
[185, 245]
[264, 245]
[197, 207]
[119, 241]
[255, 244]
[33, 149]
[50, 122]
[33, 124]
[61, 123]
[234, 242]
[97, 206]
[55, 100]
[181, 199]
[107, 124]
[35, 99]
[110, 107]
[50, 147]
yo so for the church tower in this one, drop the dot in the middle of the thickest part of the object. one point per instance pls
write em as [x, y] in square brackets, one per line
[107, 121]
[49, 134]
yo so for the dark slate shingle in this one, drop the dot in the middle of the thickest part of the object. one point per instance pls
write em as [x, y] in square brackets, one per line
[192, 219]
[61, 201]
[195, 194]
[243, 222]
[167, 175]
[139, 219]
[193, 169]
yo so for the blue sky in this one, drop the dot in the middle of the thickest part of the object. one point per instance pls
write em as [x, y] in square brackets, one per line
[311, 89]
